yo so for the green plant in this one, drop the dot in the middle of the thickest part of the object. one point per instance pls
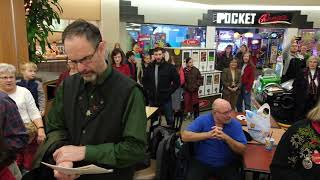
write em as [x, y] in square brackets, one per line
[39, 17]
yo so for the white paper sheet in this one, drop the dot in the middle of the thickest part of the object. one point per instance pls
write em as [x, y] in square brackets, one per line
[90, 169]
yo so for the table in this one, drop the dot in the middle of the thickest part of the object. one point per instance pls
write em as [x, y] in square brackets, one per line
[277, 134]
[150, 111]
[257, 158]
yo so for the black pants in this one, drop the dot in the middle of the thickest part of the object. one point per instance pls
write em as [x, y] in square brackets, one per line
[201, 171]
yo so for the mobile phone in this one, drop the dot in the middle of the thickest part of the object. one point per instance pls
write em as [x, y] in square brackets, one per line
[298, 38]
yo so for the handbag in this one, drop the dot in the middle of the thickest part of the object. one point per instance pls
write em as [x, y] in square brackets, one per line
[32, 131]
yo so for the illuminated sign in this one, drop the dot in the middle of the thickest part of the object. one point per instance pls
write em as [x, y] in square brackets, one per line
[234, 18]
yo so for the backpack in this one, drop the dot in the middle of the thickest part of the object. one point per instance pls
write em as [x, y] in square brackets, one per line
[159, 134]
[184, 152]
[166, 158]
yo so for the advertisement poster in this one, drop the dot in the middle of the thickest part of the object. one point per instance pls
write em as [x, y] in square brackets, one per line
[208, 85]
[185, 55]
[201, 88]
[211, 60]
[203, 60]
[273, 55]
[216, 83]
[195, 58]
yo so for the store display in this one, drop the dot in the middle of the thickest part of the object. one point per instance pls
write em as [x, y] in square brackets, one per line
[208, 85]
[203, 60]
[185, 55]
[195, 58]
[201, 91]
[211, 60]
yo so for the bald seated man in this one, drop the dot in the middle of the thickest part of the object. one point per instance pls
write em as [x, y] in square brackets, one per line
[218, 143]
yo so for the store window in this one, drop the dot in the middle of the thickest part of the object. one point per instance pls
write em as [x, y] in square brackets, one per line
[166, 35]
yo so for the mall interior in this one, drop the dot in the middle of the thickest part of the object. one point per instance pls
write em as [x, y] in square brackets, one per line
[207, 89]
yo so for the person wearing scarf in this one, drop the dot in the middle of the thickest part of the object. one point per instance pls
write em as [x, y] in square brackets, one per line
[307, 88]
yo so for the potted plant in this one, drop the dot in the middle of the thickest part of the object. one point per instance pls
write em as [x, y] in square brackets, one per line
[39, 17]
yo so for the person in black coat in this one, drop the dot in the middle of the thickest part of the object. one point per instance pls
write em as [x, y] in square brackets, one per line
[160, 81]
[297, 155]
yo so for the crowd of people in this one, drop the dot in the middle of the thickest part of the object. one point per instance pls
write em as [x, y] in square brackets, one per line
[98, 114]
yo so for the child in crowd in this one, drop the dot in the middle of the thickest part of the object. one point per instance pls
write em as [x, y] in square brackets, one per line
[117, 57]
[29, 81]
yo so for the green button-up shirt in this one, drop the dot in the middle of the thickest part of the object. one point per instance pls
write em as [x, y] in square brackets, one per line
[125, 153]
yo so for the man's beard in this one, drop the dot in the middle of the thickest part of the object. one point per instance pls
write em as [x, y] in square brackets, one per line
[90, 78]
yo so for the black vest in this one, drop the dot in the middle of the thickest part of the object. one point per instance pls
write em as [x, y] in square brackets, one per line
[103, 122]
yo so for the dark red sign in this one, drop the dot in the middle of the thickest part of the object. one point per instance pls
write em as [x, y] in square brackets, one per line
[203, 103]
[267, 18]
[191, 42]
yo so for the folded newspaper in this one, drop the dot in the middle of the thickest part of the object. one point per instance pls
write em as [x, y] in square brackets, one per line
[90, 169]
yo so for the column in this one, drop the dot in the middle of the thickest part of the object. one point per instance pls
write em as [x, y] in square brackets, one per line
[211, 37]
[13, 35]
[110, 22]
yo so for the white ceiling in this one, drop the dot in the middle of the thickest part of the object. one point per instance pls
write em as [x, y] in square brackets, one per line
[255, 2]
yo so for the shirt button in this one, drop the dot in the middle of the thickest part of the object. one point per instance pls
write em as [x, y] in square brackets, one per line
[83, 131]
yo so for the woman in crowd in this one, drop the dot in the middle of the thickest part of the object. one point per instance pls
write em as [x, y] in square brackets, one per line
[118, 57]
[307, 87]
[247, 78]
[72, 69]
[224, 58]
[231, 83]
[239, 55]
[192, 83]
[297, 155]
[28, 111]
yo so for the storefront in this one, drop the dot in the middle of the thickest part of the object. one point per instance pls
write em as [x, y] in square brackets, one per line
[263, 32]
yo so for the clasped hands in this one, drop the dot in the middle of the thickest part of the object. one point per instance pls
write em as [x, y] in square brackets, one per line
[65, 156]
[217, 133]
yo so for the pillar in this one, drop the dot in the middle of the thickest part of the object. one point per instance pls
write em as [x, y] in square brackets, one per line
[13, 34]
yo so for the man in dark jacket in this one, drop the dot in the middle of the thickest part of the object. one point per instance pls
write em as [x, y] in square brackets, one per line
[160, 80]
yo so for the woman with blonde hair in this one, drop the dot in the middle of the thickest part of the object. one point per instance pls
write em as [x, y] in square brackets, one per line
[297, 155]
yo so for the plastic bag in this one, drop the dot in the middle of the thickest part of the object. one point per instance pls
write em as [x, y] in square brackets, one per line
[259, 123]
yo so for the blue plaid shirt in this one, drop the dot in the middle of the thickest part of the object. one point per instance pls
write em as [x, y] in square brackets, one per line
[12, 128]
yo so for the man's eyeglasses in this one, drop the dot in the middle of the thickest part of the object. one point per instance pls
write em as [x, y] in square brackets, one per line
[86, 59]
[7, 77]
[225, 113]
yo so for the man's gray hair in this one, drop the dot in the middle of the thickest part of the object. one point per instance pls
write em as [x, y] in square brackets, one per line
[7, 68]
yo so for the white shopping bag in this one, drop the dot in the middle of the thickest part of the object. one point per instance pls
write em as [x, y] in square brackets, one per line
[259, 123]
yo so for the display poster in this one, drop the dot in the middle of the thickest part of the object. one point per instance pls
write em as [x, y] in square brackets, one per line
[211, 60]
[185, 55]
[273, 55]
[208, 84]
[195, 58]
[216, 83]
[201, 88]
[203, 60]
